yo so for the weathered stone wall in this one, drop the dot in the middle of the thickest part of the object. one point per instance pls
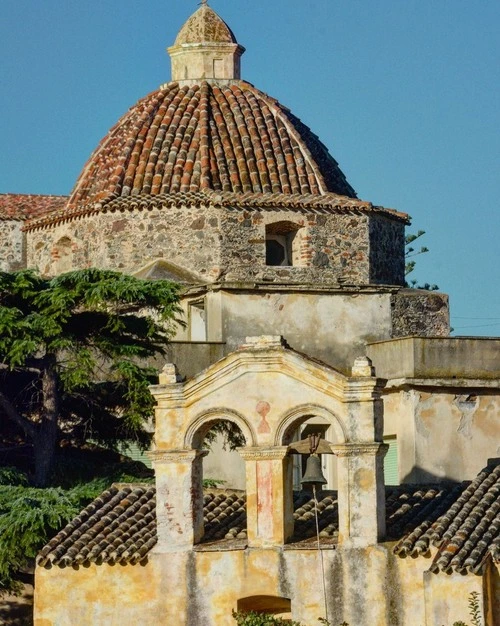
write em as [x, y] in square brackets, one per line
[387, 251]
[12, 245]
[127, 241]
[420, 312]
[333, 248]
[364, 587]
[226, 244]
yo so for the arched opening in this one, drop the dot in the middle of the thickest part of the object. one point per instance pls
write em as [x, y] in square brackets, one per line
[219, 433]
[283, 244]
[267, 605]
[223, 466]
[62, 254]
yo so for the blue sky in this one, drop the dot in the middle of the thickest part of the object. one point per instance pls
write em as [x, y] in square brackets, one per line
[405, 94]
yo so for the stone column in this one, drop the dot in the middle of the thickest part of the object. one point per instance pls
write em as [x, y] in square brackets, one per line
[269, 495]
[179, 498]
[361, 493]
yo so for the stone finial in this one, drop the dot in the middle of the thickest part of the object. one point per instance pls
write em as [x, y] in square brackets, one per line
[169, 374]
[264, 342]
[205, 49]
[363, 367]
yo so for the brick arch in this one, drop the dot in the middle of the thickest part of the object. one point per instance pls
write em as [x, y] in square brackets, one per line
[201, 424]
[299, 414]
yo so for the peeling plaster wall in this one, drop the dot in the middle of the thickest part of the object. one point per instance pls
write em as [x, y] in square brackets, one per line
[331, 327]
[443, 433]
[12, 245]
[369, 587]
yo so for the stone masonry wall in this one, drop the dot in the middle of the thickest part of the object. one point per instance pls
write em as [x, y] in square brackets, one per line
[12, 248]
[127, 241]
[387, 251]
[330, 247]
[224, 244]
[420, 312]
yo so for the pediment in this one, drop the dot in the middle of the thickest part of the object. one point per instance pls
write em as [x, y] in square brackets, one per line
[264, 358]
[159, 269]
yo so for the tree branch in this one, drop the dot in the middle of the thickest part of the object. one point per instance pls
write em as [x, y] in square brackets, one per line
[31, 370]
[10, 411]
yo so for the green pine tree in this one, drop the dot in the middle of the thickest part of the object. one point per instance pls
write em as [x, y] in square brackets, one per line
[72, 354]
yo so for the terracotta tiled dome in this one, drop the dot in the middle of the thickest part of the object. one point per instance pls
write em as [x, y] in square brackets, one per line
[192, 138]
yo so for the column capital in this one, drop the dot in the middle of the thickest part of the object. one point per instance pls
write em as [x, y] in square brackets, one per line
[176, 456]
[374, 448]
[258, 453]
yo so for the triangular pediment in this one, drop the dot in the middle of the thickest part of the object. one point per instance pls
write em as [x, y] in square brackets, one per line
[159, 269]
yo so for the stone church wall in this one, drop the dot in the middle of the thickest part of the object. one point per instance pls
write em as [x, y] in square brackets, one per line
[128, 240]
[387, 245]
[223, 243]
[420, 312]
[12, 245]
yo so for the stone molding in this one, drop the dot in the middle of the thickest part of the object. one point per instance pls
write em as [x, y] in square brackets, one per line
[257, 453]
[176, 456]
[360, 449]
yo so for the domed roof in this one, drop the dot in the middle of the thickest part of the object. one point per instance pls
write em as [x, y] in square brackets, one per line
[207, 136]
[205, 26]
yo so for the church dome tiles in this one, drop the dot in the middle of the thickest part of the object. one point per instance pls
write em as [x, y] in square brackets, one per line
[229, 138]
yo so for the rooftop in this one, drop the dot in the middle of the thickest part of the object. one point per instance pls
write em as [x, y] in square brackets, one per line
[461, 522]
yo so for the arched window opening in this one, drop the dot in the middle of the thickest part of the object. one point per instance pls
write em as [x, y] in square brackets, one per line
[315, 425]
[223, 466]
[223, 479]
[282, 244]
[62, 254]
[267, 605]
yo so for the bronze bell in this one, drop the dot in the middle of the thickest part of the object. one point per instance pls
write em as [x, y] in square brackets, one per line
[313, 474]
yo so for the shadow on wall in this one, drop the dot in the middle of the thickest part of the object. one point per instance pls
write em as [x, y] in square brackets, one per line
[419, 476]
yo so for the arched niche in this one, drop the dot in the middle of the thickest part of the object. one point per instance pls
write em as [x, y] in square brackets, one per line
[267, 605]
[62, 253]
[203, 422]
[298, 415]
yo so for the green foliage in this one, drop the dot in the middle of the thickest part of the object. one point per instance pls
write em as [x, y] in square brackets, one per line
[73, 350]
[411, 252]
[212, 483]
[475, 609]
[260, 619]
[29, 517]
[12, 476]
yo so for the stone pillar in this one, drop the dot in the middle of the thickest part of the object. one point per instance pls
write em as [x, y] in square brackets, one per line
[179, 498]
[269, 495]
[361, 493]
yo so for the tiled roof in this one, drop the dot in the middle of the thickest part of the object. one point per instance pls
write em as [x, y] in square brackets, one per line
[23, 206]
[463, 522]
[465, 527]
[221, 137]
[326, 203]
[205, 26]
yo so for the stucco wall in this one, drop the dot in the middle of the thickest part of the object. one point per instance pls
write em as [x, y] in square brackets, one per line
[369, 587]
[12, 245]
[443, 433]
[332, 327]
